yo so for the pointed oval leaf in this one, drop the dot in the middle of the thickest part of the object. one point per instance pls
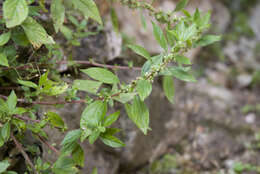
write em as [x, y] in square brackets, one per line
[139, 114]
[57, 13]
[183, 60]
[102, 75]
[208, 39]
[3, 59]
[71, 137]
[11, 101]
[15, 12]
[27, 83]
[111, 119]
[111, 141]
[93, 114]
[140, 51]
[87, 85]
[78, 156]
[144, 89]
[55, 120]
[88, 8]
[64, 165]
[35, 33]
[179, 73]
[4, 38]
[168, 88]
[5, 131]
[181, 4]
[159, 36]
[3, 166]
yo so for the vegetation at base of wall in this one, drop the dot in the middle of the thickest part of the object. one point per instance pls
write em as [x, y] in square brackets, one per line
[30, 56]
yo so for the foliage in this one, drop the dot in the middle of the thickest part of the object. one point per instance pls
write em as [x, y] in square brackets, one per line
[23, 26]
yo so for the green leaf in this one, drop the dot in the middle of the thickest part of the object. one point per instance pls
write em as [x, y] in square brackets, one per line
[183, 60]
[87, 85]
[78, 156]
[181, 4]
[94, 136]
[19, 37]
[57, 13]
[55, 119]
[4, 38]
[5, 131]
[159, 36]
[94, 171]
[208, 39]
[111, 141]
[179, 73]
[143, 19]
[10, 172]
[168, 88]
[11, 101]
[35, 33]
[67, 32]
[43, 79]
[3, 59]
[15, 12]
[144, 88]
[71, 137]
[3, 166]
[139, 114]
[27, 83]
[93, 114]
[88, 8]
[111, 119]
[124, 97]
[102, 75]
[64, 165]
[114, 19]
[140, 51]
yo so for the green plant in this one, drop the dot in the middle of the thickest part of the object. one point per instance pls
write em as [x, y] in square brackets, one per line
[23, 29]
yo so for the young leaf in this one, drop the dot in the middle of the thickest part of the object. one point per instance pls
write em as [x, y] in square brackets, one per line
[208, 39]
[139, 114]
[27, 83]
[78, 156]
[71, 137]
[3, 59]
[183, 60]
[5, 131]
[88, 8]
[179, 73]
[181, 4]
[111, 141]
[94, 136]
[159, 36]
[102, 75]
[4, 38]
[11, 101]
[64, 165]
[140, 51]
[3, 166]
[111, 119]
[144, 89]
[15, 12]
[124, 97]
[55, 120]
[93, 114]
[87, 85]
[35, 33]
[57, 13]
[114, 19]
[168, 88]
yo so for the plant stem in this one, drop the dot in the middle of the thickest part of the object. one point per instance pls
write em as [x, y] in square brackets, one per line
[26, 157]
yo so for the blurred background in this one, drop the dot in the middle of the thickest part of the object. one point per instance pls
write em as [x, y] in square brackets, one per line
[213, 127]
